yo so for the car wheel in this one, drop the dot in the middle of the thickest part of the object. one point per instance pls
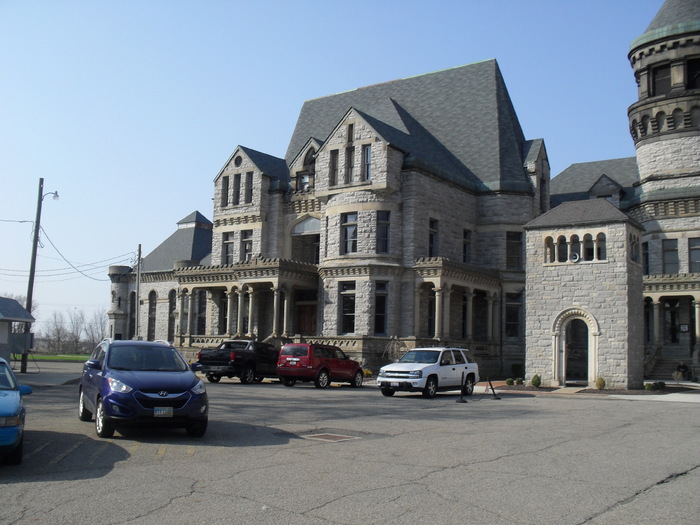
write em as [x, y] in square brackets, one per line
[103, 426]
[83, 413]
[212, 378]
[357, 379]
[289, 382]
[15, 457]
[248, 375]
[388, 392]
[197, 429]
[430, 387]
[322, 379]
[469, 386]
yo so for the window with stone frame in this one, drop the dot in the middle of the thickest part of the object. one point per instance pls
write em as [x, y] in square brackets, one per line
[249, 187]
[347, 307]
[236, 197]
[349, 164]
[514, 307]
[692, 73]
[433, 237]
[467, 246]
[228, 251]
[333, 168]
[367, 162]
[152, 302]
[514, 250]
[670, 256]
[224, 191]
[246, 245]
[694, 255]
[645, 257]
[348, 233]
[382, 230]
[381, 303]
[661, 80]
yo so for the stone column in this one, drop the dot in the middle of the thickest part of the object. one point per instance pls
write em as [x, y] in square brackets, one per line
[191, 317]
[438, 313]
[239, 319]
[658, 312]
[230, 295]
[182, 328]
[470, 314]
[489, 316]
[446, 313]
[696, 352]
[287, 311]
[416, 313]
[276, 310]
[251, 312]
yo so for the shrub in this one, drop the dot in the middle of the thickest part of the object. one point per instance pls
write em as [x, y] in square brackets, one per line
[519, 381]
[536, 381]
[367, 373]
[600, 383]
[648, 386]
[510, 381]
[660, 385]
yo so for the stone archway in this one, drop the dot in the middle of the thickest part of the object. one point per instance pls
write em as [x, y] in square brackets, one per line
[569, 326]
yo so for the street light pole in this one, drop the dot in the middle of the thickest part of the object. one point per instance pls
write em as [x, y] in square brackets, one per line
[32, 267]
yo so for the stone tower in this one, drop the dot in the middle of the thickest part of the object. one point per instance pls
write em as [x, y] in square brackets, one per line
[665, 127]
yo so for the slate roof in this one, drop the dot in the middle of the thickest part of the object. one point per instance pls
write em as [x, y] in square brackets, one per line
[12, 311]
[191, 241]
[575, 213]
[575, 181]
[271, 166]
[460, 121]
[675, 17]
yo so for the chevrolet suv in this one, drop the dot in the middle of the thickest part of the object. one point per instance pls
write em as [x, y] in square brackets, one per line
[138, 383]
[429, 370]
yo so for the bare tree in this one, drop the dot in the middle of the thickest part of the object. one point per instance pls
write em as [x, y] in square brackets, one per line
[96, 328]
[76, 326]
[56, 333]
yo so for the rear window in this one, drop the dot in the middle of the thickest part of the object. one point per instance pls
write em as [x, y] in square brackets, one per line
[235, 345]
[295, 350]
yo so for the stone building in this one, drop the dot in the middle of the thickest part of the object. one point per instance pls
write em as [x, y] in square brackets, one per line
[398, 216]
[658, 189]
[394, 220]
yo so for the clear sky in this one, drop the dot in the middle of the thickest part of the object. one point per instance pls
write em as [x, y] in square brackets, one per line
[129, 108]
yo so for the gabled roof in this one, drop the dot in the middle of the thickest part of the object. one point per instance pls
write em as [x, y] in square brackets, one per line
[190, 242]
[12, 311]
[576, 213]
[270, 166]
[575, 182]
[459, 120]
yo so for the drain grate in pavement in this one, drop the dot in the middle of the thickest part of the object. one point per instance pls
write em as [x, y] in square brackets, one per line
[334, 438]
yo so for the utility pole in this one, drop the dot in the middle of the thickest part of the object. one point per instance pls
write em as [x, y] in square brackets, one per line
[32, 267]
[138, 295]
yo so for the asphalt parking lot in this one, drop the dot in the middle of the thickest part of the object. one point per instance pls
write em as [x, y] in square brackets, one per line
[344, 456]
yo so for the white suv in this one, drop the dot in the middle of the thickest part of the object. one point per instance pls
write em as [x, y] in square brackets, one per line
[429, 370]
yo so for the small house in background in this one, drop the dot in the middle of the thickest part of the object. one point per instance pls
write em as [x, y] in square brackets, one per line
[12, 312]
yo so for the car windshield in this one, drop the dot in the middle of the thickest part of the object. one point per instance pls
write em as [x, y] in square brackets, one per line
[294, 350]
[7, 378]
[420, 356]
[146, 358]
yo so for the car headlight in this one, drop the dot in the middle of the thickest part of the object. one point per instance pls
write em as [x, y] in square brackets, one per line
[11, 421]
[415, 374]
[198, 388]
[381, 372]
[117, 386]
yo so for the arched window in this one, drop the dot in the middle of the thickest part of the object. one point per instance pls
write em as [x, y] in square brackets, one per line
[600, 247]
[172, 308]
[661, 121]
[678, 118]
[575, 251]
[588, 247]
[151, 333]
[549, 253]
[562, 249]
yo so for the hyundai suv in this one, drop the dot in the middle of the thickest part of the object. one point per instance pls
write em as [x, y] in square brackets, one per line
[138, 383]
[319, 363]
[429, 370]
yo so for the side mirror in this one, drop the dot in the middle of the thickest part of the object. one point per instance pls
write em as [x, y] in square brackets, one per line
[25, 390]
[196, 367]
[93, 363]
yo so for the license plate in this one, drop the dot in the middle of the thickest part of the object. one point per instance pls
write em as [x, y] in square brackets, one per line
[163, 412]
[395, 385]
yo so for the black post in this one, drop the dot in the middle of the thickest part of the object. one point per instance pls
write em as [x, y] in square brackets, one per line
[32, 270]
[461, 391]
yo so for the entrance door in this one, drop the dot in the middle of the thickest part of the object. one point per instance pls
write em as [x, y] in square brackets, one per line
[307, 319]
[577, 352]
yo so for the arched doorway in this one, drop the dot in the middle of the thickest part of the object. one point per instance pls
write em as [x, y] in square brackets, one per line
[575, 347]
[576, 351]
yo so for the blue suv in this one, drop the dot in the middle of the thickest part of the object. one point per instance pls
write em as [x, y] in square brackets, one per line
[139, 383]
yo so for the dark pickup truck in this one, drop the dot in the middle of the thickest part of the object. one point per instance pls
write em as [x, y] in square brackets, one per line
[250, 361]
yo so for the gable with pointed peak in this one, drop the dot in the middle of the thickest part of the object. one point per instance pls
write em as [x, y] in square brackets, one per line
[579, 213]
[270, 166]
